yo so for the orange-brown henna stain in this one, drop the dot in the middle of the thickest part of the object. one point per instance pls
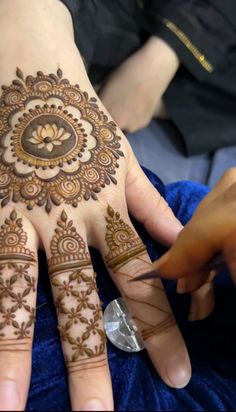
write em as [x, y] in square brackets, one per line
[16, 286]
[46, 156]
[124, 245]
[121, 240]
[78, 307]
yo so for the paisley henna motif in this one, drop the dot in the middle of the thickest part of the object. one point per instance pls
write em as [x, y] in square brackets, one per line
[46, 156]
[76, 299]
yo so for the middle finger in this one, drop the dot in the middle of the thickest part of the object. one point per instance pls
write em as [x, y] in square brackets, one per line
[80, 318]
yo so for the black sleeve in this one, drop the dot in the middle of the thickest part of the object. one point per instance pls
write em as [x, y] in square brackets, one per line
[85, 12]
[200, 31]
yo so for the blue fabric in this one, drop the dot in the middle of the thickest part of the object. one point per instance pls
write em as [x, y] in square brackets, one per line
[211, 343]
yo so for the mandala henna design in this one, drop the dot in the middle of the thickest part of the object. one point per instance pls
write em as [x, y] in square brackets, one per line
[16, 286]
[121, 240]
[46, 158]
[76, 299]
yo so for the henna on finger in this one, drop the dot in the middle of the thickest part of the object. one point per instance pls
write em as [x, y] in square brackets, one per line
[17, 287]
[122, 242]
[46, 156]
[124, 246]
[76, 299]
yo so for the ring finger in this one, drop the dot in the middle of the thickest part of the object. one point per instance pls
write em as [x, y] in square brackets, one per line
[79, 317]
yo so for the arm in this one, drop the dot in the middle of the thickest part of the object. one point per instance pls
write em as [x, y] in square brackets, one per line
[201, 32]
[143, 78]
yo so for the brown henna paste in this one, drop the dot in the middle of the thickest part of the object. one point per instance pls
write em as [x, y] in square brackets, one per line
[76, 299]
[46, 157]
[16, 286]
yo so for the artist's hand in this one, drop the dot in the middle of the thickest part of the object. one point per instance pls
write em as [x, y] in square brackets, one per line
[67, 180]
[211, 230]
[133, 92]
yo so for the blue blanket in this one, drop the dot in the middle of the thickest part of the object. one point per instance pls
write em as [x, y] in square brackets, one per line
[211, 343]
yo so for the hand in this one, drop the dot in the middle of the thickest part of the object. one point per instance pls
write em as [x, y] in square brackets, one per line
[211, 230]
[67, 180]
[133, 92]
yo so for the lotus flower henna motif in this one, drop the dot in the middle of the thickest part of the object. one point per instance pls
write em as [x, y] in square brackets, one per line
[48, 136]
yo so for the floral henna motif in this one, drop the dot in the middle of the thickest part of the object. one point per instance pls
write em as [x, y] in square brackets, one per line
[121, 240]
[76, 299]
[124, 245]
[46, 157]
[16, 286]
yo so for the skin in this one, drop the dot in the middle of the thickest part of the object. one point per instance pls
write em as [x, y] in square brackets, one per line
[143, 78]
[46, 44]
[211, 230]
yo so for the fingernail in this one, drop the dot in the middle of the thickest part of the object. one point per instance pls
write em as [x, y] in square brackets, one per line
[9, 396]
[93, 405]
[179, 372]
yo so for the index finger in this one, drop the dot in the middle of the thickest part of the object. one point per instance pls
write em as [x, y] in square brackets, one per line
[203, 237]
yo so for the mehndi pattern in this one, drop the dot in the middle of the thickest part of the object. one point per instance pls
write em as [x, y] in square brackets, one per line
[76, 298]
[121, 240]
[125, 246]
[56, 145]
[17, 286]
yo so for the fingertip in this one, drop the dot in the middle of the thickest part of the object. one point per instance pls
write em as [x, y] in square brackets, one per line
[179, 372]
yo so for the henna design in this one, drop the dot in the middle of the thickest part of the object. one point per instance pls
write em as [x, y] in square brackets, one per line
[121, 240]
[124, 245]
[16, 286]
[149, 329]
[67, 247]
[46, 158]
[86, 365]
[76, 298]
[158, 328]
[13, 240]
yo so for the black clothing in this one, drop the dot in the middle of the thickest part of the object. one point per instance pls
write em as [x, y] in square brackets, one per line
[201, 100]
